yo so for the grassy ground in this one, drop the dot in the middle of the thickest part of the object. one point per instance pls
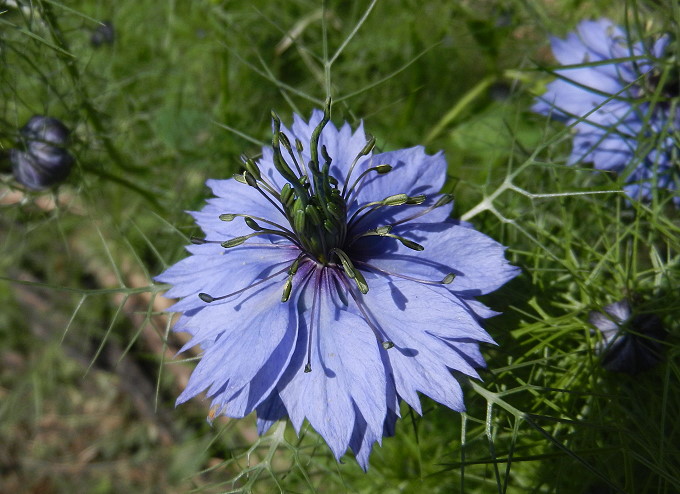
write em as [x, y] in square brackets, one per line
[88, 372]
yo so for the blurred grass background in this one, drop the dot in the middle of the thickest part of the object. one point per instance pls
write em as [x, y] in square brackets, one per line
[88, 373]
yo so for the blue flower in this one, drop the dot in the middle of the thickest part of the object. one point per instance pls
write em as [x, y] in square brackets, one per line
[629, 344]
[331, 284]
[621, 99]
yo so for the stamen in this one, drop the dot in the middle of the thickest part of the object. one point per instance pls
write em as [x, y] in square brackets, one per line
[287, 196]
[442, 201]
[202, 241]
[252, 168]
[232, 216]
[288, 285]
[299, 220]
[299, 148]
[313, 213]
[250, 180]
[317, 291]
[228, 244]
[379, 169]
[351, 271]
[384, 232]
[281, 165]
[368, 148]
[252, 224]
[286, 144]
[379, 335]
[279, 162]
[315, 217]
[338, 291]
[336, 212]
[395, 200]
[448, 279]
[287, 288]
[257, 245]
[207, 298]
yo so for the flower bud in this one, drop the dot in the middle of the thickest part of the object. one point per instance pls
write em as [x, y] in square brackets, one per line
[41, 130]
[631, 343]
[44, 162]
[103, 34]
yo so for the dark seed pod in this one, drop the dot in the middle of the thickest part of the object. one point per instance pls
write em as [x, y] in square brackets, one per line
[103, 34]
[630, 343]
[44, 161]
[45, 130]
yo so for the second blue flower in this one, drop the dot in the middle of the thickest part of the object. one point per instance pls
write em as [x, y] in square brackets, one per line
[621, 98]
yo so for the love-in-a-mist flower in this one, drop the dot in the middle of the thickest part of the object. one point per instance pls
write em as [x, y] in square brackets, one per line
[621, 99]
[630, 343]
[331, 284]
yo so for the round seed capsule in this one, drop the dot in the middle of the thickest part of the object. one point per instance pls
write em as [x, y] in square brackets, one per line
[41, 130]
[103, 34]
[44, 161]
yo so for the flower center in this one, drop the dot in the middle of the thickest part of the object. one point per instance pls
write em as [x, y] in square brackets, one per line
[311, 200]
[316, 209]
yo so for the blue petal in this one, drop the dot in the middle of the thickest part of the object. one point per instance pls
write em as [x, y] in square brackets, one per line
[591, 78]
[261, 386]
[481, 310]
[413, 172]
[303, 129]
[595, 41]
[605, 40]
[247, 332]
[342, 145]
[660, 46]
[424, 323]
[347, 371]
[477, 260]
[269, 411]
[234, 197]
[565, 100]
[362, 440]
[218, 271]
[372, 218]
